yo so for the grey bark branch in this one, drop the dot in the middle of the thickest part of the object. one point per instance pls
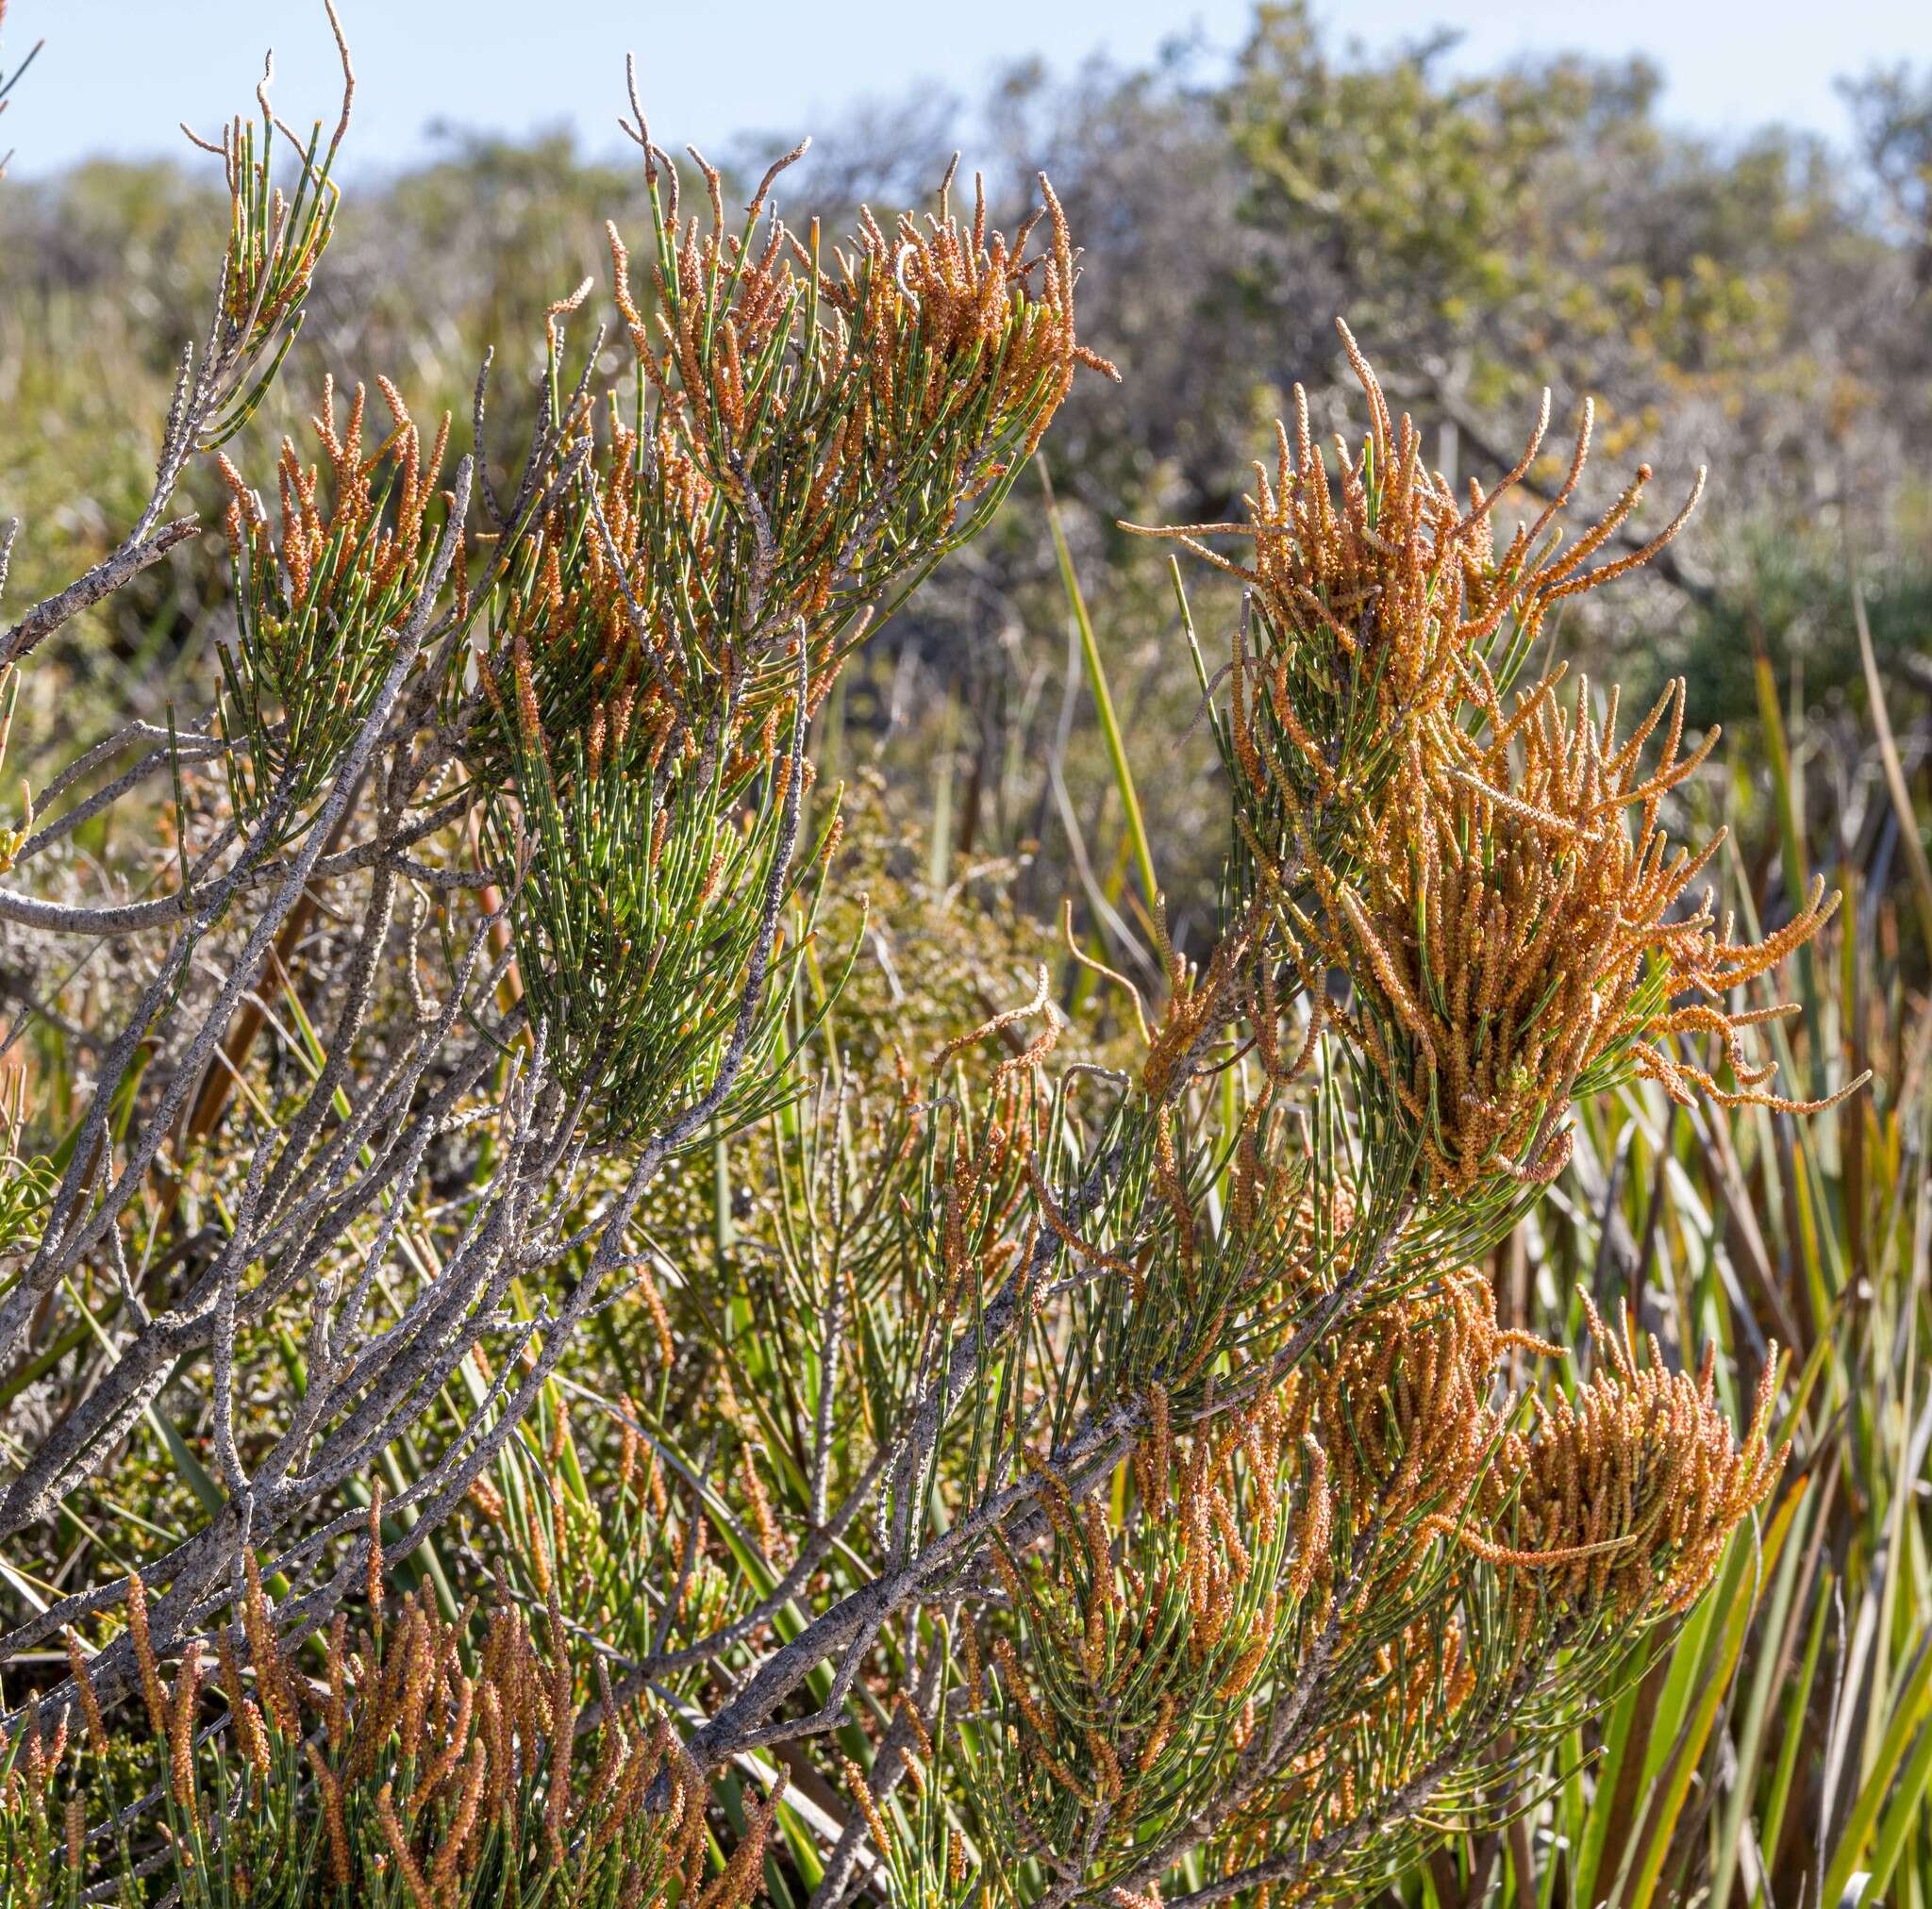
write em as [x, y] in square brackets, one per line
[111, 574]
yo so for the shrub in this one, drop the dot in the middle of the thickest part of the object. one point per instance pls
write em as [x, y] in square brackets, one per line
[1090, 1469]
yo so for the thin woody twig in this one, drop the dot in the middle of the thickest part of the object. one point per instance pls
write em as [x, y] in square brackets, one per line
[113, 572]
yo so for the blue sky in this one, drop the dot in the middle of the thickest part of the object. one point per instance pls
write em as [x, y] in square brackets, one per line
[116, 75]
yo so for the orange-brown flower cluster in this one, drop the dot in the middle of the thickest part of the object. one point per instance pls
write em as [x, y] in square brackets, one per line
[319, 554]
[592, 627]
[1496, 883]
[1375, 592]
[1373, 1561]
[1612, 1509]
[1134, 1643]
[980, 1180]
[1512, 939]
[926, 323]
[814, 439]
[835, 421]
[1406, 1412]
[1619, 1502]
[983, 334]
[424, 1768]
[322, 589]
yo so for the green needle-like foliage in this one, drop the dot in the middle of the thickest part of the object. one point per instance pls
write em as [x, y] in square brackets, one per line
[317, 606]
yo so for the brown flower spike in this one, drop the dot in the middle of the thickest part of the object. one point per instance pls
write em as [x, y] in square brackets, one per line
[1497, 881]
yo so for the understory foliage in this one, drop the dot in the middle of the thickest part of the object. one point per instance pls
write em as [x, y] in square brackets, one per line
[663, 1422]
